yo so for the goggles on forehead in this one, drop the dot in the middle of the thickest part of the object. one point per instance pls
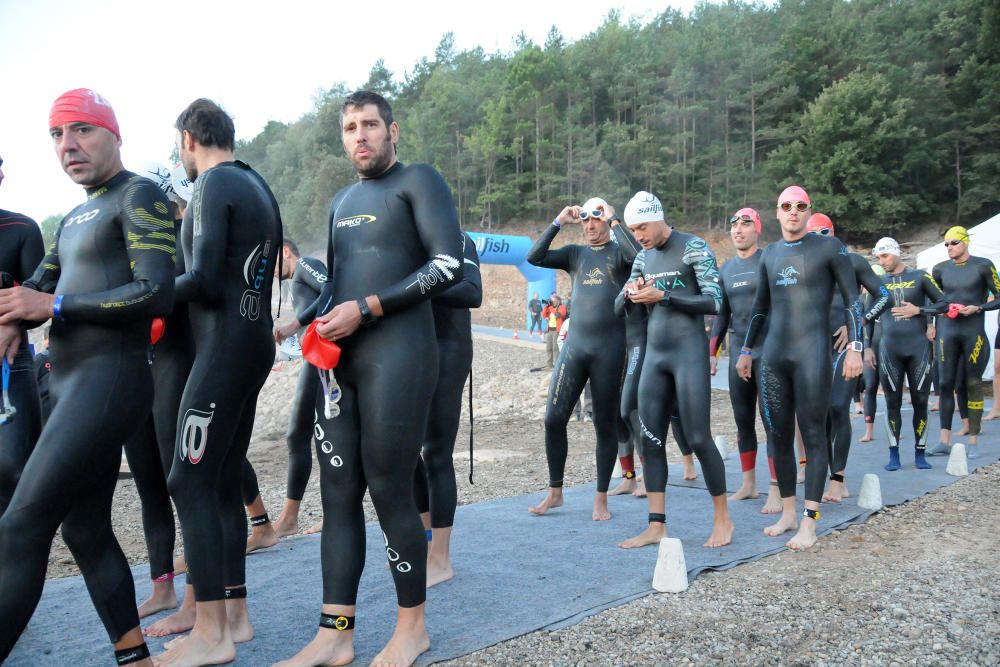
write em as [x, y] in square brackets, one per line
[737, 218]
[822, 231]
[591, 214]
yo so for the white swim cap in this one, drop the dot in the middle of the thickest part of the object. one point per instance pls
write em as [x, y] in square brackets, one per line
[886, 245]
[182, 185]
[595, 203]
[642, 208]
[157, 173]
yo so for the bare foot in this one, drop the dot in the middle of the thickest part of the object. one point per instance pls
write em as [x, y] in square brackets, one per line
[965, 428]
[867, 437]
[689, 470]
[805, 538]
[993, 414]
[261, 537]
[722, 533]
[601, 512]
[180, 565]
[403, 648]
[181, 620]
[240, 628]
[625, 487]
[313, 529]
[786, 523]
[655, 532]
[834, 492]
[934, 407]
[197, 650]
[285, 526]
[640, 489]
[163, 597]
[552, 500]
[773, 503]
[329, 647]
[744, 492]
[438, 572]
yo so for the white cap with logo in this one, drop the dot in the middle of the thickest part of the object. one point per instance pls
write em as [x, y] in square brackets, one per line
[886, 245]
[182, 185]
[642, 208]
[157, 173]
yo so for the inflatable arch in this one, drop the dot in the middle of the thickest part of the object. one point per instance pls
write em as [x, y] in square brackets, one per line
[513, 250]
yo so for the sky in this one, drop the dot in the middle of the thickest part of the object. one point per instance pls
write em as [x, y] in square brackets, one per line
[261, 60]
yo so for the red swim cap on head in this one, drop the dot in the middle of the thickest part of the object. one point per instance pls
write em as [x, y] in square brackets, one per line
[793, 193]
[751, 213]
[82, 105]
[819, 221]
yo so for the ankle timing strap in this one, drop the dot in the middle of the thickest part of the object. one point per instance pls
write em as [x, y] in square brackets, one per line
[655, 517]
[260, 520]
[238, 593]
[169, 576]
[629, 474]
[802, 462]
[811, 514]
[837, 477]
[127, 656]
[336, 622]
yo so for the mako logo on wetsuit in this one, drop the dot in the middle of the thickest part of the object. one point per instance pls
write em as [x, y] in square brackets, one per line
[354, 221]
[594, 277]
[194, 433]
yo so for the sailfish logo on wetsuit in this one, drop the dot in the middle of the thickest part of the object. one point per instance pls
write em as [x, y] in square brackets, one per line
[787, 276]
[594, 277]
[194, 433]
[254, 272]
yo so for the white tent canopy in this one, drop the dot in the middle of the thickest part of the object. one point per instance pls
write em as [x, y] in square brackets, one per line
[984, 241]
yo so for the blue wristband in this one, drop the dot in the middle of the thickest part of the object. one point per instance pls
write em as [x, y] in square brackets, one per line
[749, 352]
[555, 221]
[57, 307]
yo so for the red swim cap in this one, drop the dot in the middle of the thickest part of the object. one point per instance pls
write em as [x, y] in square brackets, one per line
[793, 193]
[156, 330]
[750, 213]
[819, 221]
[318, 351]
[82, 105]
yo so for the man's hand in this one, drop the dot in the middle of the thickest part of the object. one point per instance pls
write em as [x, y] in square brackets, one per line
[905, 311]
[744, 367]
[965, 311]
[10, 339]
[870, 358]
[609, 212]
[342, 321]
[852, 365]
[569, 215]
[931, 332]
[21, 303]
[840, 339]
[286, 330]
[713, 365]
[647, 294]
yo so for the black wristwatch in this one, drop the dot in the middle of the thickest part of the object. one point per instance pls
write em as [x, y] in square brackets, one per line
[367, 316]
[614, 219]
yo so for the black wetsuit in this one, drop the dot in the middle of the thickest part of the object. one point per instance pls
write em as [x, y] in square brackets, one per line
[674, 377]
[112, 266]
[21, 249]
[395, 236]
[796, 286]
[739, 286]
[594, 349]
[904, 351]
[231, 238]
[150, 451]
[630, 437]
[43, 368]
[434, 485]
[839, 414]
[868, 393]
[962, 341]
[307, 284]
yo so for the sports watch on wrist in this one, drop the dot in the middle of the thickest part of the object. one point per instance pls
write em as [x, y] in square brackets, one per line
[857, 346]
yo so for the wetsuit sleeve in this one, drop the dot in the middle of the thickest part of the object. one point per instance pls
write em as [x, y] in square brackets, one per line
[203, 280]
[720, 326]
[867, 278]
[935, 296]
[626, 242]
[150, 244]
[992, 285]
[761, 307]
[469, 292]
[847, 282]
[32, 251]
[623, 305]
[46, 274]
[437, 226]
[698, 255]
[306, 288]
[541, 255]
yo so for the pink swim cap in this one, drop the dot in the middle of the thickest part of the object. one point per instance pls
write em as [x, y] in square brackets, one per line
[750, 213]
[793, 193]
[82, 105]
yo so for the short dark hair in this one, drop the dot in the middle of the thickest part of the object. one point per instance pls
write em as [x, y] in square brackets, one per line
[360, 98]
[291, 246]
[208, 123]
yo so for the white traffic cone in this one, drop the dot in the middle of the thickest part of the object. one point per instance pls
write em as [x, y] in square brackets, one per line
[516, 337]
[957, 463]
[870, 497]
[670, 575]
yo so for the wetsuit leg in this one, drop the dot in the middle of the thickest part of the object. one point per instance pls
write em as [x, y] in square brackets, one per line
[144, 462]
[249, 488]
[949, 358]
[871, 383]
[657, 397]
[778, 407]
[300, 432]
[682, 443]
[421, 492]
[839, 419]
[691, 378]
[976, 357]
[568, 378]
[455, 361]
[743, 396]
[918, 376]
[891, 371]
[605, 372]
[962, 391]
[812, 385]
[233, 513]
[17, 437]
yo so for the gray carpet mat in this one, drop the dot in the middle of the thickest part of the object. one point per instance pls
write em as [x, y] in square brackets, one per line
[515, 572]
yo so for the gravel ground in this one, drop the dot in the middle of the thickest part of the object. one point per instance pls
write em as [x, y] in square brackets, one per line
[916, 584]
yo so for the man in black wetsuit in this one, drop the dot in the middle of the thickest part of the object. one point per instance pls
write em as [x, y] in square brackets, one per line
[675, 278]
[839, 414]
[967, 281]
[394, 244]
[904, 350]
[739, 286]
[230, 248]
[21, 250]
[108, 273]
[434, 485]
[798, 276]
[595, 347]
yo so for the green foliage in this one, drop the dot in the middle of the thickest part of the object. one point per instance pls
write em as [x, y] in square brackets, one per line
[49, 227]
[885, 110]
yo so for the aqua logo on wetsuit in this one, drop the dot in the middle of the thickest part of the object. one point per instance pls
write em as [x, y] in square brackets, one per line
[254, 273]
[194, 433]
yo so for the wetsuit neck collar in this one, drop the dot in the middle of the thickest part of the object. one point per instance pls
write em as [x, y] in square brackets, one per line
[666, 241]
[97, 190]
[395, 165]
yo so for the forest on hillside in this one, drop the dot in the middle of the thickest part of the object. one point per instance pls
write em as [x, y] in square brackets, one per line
[885, 110]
